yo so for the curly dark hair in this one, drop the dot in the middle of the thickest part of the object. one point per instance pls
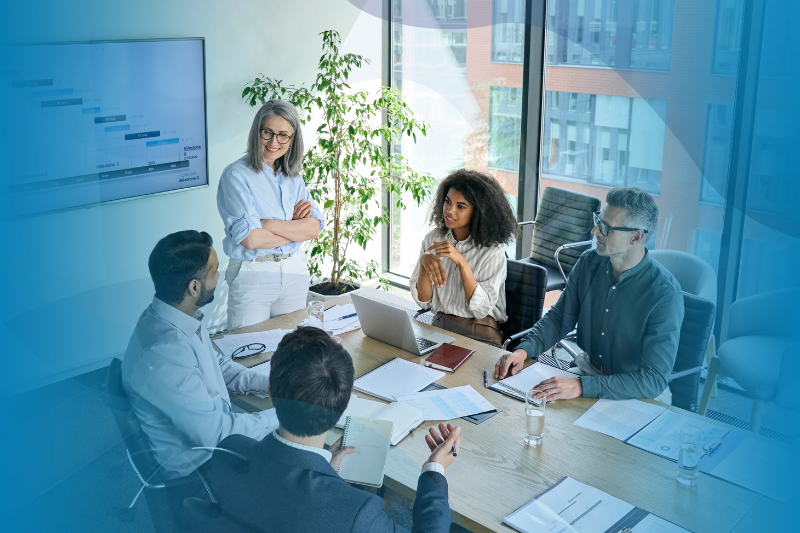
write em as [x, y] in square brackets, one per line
[493, 221]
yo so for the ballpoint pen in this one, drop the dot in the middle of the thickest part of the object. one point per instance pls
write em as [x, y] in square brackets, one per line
[453, 450]
[343, 317]
[485, 379]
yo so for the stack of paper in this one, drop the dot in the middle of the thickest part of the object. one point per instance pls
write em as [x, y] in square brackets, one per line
[395, 378]
[448, 404]
[339, 319]
[620, 419]
[230, 343]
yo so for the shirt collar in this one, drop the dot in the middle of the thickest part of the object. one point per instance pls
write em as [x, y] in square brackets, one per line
[277, 175]
[449, 236]
[643, 265]
[187, 324]
[324, 453]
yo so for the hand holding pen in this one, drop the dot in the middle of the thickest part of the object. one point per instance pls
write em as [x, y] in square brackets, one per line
[444, 444]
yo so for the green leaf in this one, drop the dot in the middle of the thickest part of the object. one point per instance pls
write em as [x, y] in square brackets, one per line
[329, 203]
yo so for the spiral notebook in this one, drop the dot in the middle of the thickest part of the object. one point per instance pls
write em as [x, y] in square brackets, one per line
[516, 386]
[371, 438]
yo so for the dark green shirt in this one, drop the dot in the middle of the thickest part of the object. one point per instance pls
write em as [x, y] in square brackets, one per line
[629, 329]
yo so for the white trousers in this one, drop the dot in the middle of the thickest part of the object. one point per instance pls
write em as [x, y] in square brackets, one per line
[260, 291]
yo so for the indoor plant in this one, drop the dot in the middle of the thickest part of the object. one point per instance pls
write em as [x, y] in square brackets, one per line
[350, 166]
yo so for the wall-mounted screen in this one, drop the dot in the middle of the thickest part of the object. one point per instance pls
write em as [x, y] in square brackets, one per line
[88, 123]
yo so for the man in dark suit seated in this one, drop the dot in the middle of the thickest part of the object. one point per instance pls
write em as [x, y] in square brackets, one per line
[288, 481]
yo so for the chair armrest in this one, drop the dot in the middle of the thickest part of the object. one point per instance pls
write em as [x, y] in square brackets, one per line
[513, 341]
[568, 245]
[684, 373]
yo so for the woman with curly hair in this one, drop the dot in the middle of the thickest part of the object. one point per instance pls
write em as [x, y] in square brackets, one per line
[461, 271]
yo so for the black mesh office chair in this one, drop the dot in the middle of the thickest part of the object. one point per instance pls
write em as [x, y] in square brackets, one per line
[698, 323]
[562, 231]
[526, 285]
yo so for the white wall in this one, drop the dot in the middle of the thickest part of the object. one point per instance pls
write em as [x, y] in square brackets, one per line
[78, 258]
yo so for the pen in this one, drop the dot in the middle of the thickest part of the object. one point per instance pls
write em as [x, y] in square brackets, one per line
[454, 450]
[343, 317]
[485, 379]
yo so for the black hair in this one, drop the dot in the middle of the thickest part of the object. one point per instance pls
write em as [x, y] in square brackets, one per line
[310, 381]
[176, 260]
[493, 221]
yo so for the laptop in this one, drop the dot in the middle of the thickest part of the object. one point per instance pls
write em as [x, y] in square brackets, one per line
[393, 326]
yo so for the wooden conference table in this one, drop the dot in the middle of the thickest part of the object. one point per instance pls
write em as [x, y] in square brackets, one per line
[496, 473]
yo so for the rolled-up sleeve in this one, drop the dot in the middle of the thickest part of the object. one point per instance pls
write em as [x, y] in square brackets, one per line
[315, 210]
[236, 205]
[412, 282]
[490, 276]
[238, 380]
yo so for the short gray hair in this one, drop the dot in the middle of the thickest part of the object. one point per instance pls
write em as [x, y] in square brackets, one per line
[291, 163]
[642, 209]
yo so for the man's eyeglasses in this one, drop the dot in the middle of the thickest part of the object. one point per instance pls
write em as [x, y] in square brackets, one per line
[267, 134]
[256, 347]
[605, 228]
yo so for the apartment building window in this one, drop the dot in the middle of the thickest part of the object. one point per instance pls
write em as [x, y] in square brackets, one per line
[505, 115]
[604, 140]
[508, 30]
[716, 153]
[727, 36]
[619, 34]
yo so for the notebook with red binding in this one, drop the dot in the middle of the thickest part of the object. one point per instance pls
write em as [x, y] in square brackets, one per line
[448, 357]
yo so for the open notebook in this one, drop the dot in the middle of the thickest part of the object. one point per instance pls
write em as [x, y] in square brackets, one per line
[403, 416]
[395, 378]
[516, 386]
[371, 439]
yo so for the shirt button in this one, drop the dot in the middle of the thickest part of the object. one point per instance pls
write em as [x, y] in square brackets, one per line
[614, 287]
[602, 334]
[599, 356]
[606, 310]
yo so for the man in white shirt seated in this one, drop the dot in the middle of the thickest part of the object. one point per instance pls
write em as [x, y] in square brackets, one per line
[177, 383]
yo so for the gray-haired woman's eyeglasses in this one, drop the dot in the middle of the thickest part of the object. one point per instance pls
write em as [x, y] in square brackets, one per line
[605, 228]
[267, 134]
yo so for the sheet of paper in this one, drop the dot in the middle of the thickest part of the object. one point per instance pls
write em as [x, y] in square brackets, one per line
[663, 435]
[229, 343]
[768, 468]
[655, 524]
[448, 404]
[620, 419]
[569, 507]
[395, 378]
[335, 324]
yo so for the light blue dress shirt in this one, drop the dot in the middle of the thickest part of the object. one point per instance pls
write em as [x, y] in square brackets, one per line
[178, 386]
[245, 196]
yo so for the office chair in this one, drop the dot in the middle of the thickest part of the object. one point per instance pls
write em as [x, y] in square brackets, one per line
[696, 328]
[140, 454]
[138, 450]
[526, 285]
[562, 231]
[760, 351]
[696, 277]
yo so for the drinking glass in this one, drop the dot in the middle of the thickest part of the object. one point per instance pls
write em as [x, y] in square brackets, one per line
[316, 314]
[535, 401]
[689, 456]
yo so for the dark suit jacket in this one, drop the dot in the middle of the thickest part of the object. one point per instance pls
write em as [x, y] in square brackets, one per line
[283, 489]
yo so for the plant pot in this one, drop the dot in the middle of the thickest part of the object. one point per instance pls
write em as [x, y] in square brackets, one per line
[321, 296]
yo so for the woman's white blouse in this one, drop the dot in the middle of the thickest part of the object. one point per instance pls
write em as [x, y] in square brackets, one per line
[488, 264]
[245, 196]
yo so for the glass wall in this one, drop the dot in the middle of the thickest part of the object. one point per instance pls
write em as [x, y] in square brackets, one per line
[621, 34]
[459, 66]
[665, 129]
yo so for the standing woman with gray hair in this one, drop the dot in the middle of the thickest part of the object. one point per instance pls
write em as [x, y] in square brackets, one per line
[268, 213]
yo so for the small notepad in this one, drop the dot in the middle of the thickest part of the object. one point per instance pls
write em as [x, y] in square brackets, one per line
[371, 439]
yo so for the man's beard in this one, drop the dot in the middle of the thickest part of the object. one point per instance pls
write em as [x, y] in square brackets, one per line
[206, 296]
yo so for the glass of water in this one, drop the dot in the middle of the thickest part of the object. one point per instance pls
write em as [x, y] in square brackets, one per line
[316, 314]
[689, 456]
[535, 401]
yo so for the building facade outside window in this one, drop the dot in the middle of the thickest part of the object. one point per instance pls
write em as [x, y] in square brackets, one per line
[508, 30]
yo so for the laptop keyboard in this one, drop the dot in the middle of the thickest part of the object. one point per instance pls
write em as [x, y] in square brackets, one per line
[425, 345]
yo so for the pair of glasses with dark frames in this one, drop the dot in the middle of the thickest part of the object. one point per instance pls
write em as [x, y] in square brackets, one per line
[267, 134]
[256, 347]
[605, 228]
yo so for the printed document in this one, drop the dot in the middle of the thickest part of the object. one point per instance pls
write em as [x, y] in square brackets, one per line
[448, 404]
[620, 419]
[334, 321]
[230, 343]
[663, 435]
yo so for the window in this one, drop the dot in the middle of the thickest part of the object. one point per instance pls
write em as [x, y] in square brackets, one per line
[471, 98]
[716, 153]
[620, 34]
[596, 147]
[508, 30]
[727, 35]
[505, 112]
